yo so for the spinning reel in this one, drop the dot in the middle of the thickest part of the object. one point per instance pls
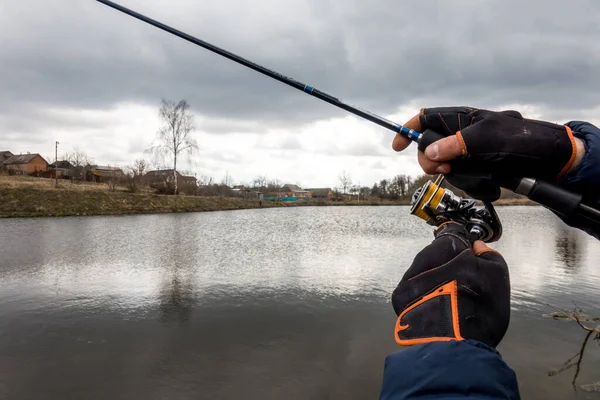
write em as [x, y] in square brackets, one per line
[436, 205]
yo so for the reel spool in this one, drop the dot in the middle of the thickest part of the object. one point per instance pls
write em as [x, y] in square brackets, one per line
[436, 205]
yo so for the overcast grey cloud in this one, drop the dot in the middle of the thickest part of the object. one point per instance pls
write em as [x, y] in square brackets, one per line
[84, 73]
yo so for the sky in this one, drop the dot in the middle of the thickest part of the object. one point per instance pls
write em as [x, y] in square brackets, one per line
[87, 76]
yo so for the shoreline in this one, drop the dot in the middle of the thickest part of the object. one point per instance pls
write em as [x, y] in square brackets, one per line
[36, 202]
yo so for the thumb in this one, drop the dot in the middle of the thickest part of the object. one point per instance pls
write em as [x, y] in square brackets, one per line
[445, 149]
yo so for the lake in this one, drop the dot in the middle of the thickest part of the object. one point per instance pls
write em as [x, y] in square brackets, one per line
[289, 303]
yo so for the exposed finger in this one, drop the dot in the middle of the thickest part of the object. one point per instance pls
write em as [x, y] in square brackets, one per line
[432, 167]
[480, 249]
[446, 149]
[400, 142]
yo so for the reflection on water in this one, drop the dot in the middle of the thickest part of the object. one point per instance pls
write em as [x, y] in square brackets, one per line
[570, 247]
[265, 304]
[176, 299]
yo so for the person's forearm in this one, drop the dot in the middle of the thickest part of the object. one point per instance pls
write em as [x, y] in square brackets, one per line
[584, 177]
[456, 368]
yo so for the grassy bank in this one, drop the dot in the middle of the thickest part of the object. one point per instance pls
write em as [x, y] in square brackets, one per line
[32, 202]
[37, 197]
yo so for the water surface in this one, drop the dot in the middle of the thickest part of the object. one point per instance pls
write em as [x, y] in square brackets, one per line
[258, 304]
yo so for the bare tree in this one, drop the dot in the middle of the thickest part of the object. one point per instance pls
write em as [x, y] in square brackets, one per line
[80, 161]
[260, 182]
[345, 181]
[274, 184]
[78, 157]
[140, 166]
[355, 191]
[174, 136]
[135, 174]
[205, 180]
[365, 192]
[227, 180]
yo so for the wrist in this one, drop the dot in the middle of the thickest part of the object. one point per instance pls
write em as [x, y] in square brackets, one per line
[584, 175]
[579, 153]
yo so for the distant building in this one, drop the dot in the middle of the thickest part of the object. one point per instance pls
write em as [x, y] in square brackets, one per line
[61, 165]
[31, 163]
[163, 179]
[99, 173]
[247, 193]
[4, 155]
[290, 190]
[62, 170]
[321, 193]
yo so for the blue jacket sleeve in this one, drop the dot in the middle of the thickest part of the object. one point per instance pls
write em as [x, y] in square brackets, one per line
[585, 179]
[448, 371]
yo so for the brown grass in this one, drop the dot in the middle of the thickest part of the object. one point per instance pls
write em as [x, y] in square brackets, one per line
[29, 182]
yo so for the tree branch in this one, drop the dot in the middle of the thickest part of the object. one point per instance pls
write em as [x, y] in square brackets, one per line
[578, 317]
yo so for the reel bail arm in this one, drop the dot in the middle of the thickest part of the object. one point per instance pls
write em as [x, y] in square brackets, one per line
[436, 205]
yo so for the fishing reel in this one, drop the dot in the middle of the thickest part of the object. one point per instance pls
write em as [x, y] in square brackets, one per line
[436, 205]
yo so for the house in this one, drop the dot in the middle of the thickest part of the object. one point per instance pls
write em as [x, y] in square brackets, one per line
[247, 193]
[62, 170]
[290, 190]
[4, 155]
[61, 165]
[31, 163]
[99, 173]
[162, 179]
[321, 193]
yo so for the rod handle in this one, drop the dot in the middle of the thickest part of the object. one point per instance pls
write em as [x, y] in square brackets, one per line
[553, 197]
[429, 137]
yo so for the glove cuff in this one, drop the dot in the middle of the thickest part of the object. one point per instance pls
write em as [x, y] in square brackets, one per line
[573, 153]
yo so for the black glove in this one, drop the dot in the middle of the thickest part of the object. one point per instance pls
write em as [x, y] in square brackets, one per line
[450, 293]
[499, 147]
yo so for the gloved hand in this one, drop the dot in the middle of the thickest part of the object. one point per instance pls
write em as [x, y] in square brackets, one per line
[453, 291]
[500, 145]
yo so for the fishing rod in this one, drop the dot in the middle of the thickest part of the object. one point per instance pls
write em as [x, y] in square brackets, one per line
[379, 120]
[559, 200]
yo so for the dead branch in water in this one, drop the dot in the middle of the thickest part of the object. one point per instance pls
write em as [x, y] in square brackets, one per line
[578, 316]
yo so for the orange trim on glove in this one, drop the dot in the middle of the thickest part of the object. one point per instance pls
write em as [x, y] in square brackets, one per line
[488, 250]
[449, 289]
[461, 141]
[573, 154]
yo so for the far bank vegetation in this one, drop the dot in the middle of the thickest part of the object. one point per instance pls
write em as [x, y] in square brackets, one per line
[160, 174]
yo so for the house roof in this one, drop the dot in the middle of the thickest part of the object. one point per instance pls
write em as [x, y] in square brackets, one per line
[105, 168]
[5, 154]
[320, 191]
[169, 173]
[106, 172]
[161, 172]
[22, 158]
[293, 188]
[64, 164]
